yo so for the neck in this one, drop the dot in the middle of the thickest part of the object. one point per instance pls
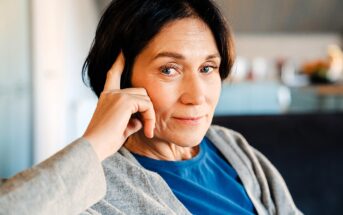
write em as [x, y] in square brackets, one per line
[158, 149]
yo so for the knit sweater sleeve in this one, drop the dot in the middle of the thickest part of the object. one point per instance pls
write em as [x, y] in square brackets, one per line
[67, 183]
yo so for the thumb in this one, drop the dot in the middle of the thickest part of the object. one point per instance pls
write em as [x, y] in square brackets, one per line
[114, 74]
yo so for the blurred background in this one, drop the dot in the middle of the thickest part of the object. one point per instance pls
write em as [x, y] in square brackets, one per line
[285, 93]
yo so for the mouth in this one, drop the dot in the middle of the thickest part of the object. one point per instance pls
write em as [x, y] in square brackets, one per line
[189, 120]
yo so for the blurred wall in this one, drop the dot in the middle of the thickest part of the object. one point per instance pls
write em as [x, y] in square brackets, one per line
[251, 16]
[15, 87]
[62, 34]
[43, 101]
[298, 46]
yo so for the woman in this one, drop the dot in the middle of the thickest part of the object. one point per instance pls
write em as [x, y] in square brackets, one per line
[152, 125]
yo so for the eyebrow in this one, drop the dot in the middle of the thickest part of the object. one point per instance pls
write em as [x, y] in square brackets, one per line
[180, 56]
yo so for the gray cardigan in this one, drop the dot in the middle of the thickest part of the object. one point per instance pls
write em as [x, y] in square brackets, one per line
[73, 180]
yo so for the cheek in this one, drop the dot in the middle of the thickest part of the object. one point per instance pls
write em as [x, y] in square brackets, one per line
[164, 98]
[213, 92]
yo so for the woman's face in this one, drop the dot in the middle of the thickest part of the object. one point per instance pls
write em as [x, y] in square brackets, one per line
[180, 71]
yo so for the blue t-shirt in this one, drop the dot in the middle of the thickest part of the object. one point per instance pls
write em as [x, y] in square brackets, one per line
[205, 184]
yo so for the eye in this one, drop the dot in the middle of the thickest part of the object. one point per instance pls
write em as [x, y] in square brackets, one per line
[208, 69]
[168, 70]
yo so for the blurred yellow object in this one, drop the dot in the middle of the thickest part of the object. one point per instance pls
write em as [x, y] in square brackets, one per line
[335, 55]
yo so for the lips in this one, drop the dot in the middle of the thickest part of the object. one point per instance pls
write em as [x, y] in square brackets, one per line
[187, 120]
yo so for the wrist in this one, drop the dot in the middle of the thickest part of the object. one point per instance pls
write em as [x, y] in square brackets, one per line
[98, 148]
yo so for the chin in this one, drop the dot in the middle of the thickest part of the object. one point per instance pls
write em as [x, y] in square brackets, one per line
[184, 137]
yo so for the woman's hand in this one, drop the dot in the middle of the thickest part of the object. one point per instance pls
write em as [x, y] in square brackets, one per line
[112, 122]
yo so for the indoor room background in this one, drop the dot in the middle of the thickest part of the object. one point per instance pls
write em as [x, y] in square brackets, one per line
[288, 71]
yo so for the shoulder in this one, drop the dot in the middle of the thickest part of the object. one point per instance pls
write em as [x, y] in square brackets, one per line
[233, 144]
[255, 171]
[234, 147]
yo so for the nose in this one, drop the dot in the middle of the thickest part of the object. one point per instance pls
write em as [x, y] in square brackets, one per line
[193, 91]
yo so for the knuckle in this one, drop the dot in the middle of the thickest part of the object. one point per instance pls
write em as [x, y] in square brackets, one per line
[103, 95]
[109, 74]
[123, 97]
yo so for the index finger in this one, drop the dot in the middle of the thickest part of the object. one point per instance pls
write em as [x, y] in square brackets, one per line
[114, 74]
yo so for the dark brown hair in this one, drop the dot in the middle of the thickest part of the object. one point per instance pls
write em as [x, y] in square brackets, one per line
[130, 25]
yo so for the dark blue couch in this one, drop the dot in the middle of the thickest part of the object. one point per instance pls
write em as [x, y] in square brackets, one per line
[307, 149]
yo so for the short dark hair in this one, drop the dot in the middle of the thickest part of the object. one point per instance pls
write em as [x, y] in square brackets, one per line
[130, 25]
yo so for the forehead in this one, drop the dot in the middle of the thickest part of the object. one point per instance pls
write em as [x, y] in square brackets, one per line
[188, 36]
[185, 27]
